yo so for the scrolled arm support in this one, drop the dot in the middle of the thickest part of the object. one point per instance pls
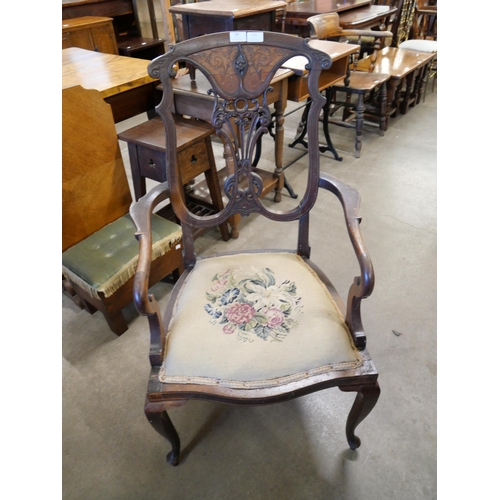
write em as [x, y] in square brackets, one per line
[362, 285]
[146, 303]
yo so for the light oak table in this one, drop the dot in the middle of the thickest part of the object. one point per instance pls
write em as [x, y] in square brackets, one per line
[123, 82]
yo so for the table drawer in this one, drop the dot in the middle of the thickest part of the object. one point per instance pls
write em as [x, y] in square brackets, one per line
[193, 161]
[152, 164]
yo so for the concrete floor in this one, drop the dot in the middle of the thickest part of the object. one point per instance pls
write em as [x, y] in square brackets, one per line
[295, 450]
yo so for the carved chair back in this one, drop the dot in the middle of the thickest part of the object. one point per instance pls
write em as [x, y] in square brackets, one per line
[239, 67]
[327, 26]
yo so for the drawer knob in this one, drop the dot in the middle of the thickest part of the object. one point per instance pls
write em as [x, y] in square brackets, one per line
[152, 164]
[194, 159]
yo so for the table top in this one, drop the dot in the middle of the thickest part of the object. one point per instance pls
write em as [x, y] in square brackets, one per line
[397, 62]
[364, 16]
[229, 8]
[67, 3]
[335, 50]
[84, 21]
[201, 85]
[107, 73]
[313, 7]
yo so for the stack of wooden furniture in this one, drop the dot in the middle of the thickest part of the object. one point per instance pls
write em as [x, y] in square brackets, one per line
[370, 84]
[408, 69]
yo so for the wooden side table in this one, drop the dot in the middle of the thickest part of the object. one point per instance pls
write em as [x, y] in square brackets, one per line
[202, 18]
[146, 146]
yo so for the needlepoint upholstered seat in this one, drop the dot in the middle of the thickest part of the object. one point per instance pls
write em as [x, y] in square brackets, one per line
[251, 327]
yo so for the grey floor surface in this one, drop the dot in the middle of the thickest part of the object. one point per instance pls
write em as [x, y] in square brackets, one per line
[295, 450]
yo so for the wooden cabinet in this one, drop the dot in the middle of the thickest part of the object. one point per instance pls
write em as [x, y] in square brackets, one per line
[91, 33]
[127, 30]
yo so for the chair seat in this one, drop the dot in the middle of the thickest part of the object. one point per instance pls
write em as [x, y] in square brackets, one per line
[419, 45]
[105, 260]
[362, 81]
[255, 320]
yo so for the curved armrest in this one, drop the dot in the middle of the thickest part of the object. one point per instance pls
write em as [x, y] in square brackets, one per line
[360, 33]
[146, 303]
[362, 285]
[141, 215]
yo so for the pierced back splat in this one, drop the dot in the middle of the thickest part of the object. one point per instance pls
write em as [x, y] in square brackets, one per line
[240, 76]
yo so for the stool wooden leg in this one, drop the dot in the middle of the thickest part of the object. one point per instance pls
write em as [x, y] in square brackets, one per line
[139, 182]
[116, 321]
[383, 108]
[278, 150]
[234, 221]
[212, 179]
[405, 104]
[360, 112]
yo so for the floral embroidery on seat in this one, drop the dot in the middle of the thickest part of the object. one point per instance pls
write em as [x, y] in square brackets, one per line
[253, 304]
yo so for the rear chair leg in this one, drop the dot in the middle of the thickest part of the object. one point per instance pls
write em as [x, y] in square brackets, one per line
[164, 426]
[363, 404]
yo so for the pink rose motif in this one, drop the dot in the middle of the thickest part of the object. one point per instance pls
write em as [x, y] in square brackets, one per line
[240, 313]
[276, 317]
[228, 329]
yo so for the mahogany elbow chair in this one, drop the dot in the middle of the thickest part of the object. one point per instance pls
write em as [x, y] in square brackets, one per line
[252, 327]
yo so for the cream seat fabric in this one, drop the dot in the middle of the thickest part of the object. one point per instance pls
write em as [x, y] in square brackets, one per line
[261, 320]
[419, 45]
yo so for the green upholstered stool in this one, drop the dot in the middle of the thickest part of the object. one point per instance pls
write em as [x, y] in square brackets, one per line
[101, 267]
[107, 259]
[99, 249]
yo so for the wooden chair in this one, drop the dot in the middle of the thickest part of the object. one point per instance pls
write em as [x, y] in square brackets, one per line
[281, 16]
[424, 26]
[98, 243]
[327, 26]
[423, 37]
[251, 327]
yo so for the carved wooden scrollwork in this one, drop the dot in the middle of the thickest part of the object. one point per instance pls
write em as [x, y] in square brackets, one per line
[240, 76]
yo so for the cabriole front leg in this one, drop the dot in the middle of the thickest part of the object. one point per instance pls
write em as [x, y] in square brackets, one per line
[161, 422]
[364, 403]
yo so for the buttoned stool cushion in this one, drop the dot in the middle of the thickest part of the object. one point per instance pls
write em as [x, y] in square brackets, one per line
[105, 260]
[254, 320]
